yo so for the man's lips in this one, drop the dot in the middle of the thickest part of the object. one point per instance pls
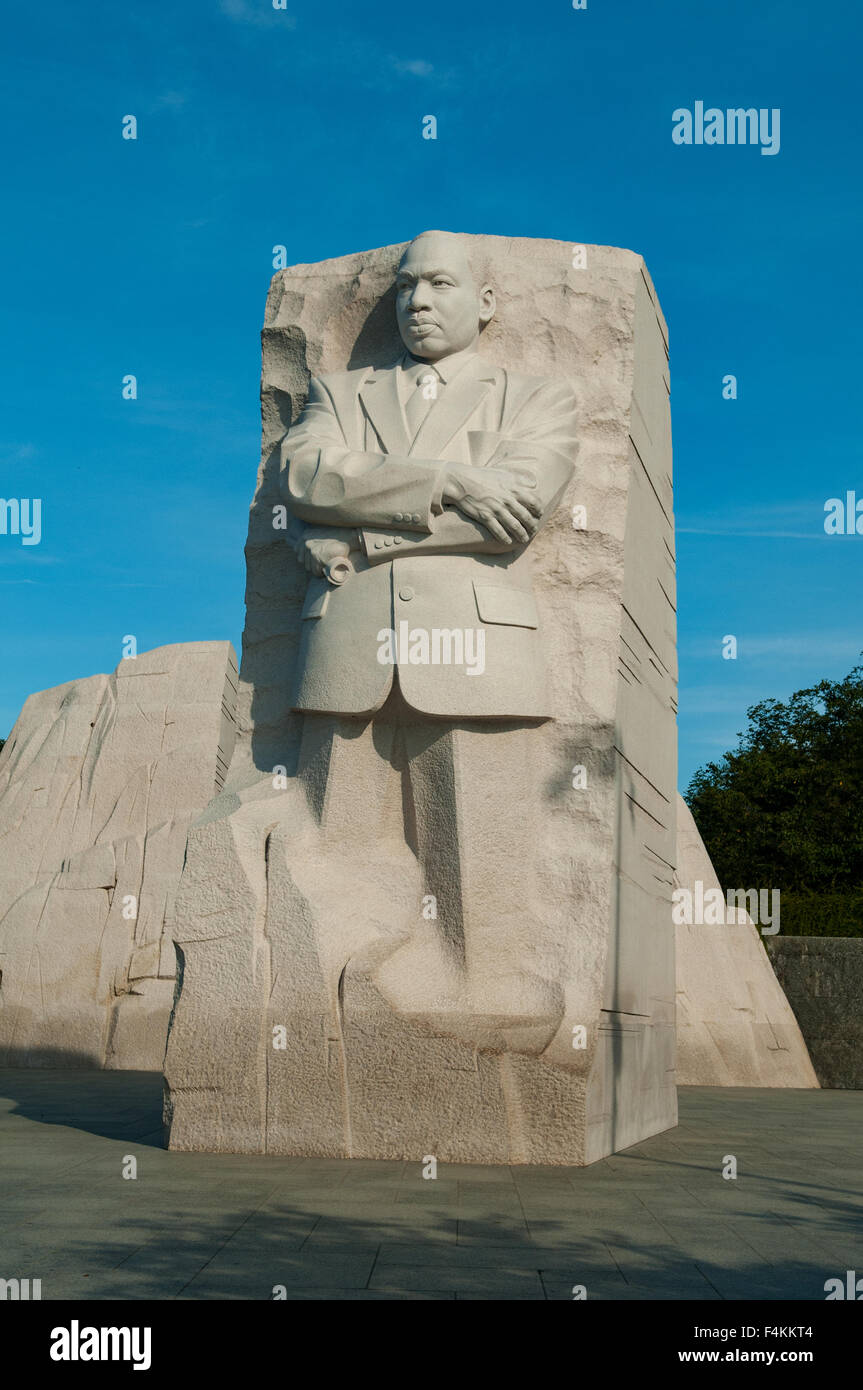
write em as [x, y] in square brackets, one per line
[423, 327]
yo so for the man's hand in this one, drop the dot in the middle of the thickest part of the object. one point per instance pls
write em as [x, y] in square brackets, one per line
[499, 498]
[315, 553]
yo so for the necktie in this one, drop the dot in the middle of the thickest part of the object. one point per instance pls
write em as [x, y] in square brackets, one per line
[424, 393]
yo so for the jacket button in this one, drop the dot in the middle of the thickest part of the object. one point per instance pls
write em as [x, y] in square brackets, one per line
[399, 516]
[406, 594]
[377, 545]
[397, 540]
[388, 541]
[415, 517]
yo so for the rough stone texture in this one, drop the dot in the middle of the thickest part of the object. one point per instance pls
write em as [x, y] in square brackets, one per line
[823, 979]
[99, 780]
[734, 1025]
[284, 923]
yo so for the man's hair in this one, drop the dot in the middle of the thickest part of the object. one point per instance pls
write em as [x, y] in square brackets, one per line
[477, 259]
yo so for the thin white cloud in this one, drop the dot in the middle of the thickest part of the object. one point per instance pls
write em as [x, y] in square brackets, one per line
[416, 67]
[826, 645]
[17, 453]
[754, 535]
[13, 550]
[823, 644]
[802, 519]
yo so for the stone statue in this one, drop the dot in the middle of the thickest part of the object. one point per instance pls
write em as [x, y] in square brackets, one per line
[442, 468]
[430, 911]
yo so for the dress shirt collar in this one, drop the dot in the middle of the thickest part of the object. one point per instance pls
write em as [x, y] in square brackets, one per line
[447, 368]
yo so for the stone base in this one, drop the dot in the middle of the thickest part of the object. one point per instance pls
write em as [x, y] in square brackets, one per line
[288, 1037]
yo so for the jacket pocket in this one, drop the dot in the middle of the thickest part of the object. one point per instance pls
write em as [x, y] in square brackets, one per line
[499, 603]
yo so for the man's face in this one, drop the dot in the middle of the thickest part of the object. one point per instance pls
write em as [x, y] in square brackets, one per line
[438, 306]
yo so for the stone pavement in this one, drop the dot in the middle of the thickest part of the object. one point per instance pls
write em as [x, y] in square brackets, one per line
[655, 1222]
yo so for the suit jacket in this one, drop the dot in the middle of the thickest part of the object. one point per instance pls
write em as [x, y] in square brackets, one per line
[349, 462]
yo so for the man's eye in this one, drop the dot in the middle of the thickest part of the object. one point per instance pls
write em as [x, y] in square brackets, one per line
[442, 284]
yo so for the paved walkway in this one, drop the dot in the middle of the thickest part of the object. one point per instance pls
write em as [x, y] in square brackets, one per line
[657, 1221]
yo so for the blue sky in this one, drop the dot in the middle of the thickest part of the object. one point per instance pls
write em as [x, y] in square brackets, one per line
[302, 127]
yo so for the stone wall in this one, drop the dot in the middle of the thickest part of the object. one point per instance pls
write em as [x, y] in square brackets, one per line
[822, 977]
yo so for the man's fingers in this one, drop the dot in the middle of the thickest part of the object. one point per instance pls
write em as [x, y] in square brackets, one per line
[510, 522]
[490, 522]
[527, 518]
[507, 518]
[529, 500]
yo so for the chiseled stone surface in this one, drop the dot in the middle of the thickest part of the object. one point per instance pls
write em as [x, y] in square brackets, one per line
[735, 1026]
[309, 927]
[99, 780]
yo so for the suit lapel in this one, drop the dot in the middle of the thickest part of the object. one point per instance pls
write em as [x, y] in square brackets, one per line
[379, 394]
[456, 405]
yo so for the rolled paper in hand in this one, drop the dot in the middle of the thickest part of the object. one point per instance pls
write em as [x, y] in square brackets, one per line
[337, 571]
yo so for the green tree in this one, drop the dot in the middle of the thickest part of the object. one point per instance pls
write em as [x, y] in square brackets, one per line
[785, 808]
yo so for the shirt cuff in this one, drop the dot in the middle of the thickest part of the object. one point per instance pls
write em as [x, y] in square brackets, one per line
[437, 494]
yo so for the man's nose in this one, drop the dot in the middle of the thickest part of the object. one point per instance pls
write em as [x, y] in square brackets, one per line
[420, 298]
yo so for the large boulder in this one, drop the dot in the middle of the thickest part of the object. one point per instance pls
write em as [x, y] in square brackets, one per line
[99, 781]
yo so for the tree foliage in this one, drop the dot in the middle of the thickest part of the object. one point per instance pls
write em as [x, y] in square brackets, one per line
[785, 808]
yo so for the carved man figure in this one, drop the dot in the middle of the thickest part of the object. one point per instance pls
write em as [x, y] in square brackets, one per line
[421, 675]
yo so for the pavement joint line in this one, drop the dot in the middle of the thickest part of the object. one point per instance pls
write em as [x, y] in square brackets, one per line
[317, 1221]
[220, 1248]
[375, 1258]
[708, 1280]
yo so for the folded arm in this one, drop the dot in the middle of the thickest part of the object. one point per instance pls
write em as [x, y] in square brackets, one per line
[325, 482]
[535, 455]
[402, 505]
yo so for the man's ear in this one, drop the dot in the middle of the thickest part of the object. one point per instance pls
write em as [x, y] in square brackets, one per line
[487, 304]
